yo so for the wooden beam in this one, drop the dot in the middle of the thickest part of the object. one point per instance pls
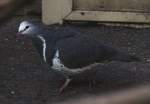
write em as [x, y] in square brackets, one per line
[108, 16]
[55, 10]
[113, 5]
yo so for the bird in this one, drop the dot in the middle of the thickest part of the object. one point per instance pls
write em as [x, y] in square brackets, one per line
[69, 52]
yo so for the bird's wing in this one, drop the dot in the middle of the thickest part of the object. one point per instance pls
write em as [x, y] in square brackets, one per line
[78, 51]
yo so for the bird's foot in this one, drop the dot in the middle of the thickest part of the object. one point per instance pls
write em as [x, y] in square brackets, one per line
[92, 84]
[64, 85]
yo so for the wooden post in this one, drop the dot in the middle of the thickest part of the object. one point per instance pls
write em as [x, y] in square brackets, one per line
[54, 11]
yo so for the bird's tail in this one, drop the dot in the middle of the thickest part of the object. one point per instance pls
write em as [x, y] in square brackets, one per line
[126, 58]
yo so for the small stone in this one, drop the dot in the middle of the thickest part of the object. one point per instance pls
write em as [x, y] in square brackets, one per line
[12, 92]
[12, 58]
[22, 43]
[12, 68]
[148, 60]
[6, 39]
[129, 43]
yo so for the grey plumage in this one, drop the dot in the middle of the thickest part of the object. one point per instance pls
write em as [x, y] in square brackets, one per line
[74, 49]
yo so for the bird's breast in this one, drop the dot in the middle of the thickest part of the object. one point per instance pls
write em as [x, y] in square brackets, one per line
[56, 62]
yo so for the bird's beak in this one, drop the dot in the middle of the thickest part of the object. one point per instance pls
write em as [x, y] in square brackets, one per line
[18, 34]
[20, 31]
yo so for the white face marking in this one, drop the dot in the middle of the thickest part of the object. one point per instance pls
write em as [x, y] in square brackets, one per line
[26, 28]
[44, 47]
[23, 26]
[57, 62]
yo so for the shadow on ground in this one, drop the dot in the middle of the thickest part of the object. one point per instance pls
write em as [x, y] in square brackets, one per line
[25, 79]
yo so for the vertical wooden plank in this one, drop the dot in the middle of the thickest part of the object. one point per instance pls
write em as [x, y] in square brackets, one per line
[55, 10]
[66, 7]
[50, 11]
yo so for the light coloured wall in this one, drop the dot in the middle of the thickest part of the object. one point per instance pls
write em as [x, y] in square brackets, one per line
[55, 11]
[113, 5]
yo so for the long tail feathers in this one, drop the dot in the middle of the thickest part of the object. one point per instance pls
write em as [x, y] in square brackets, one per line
[126, 58]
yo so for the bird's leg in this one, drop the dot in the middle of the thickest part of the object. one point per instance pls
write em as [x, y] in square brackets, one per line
[64, 85]
[92, 84]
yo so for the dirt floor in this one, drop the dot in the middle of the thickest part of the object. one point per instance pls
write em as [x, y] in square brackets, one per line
[25, 79]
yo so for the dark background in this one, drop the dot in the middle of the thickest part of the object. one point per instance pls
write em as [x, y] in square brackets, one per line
[25, 79]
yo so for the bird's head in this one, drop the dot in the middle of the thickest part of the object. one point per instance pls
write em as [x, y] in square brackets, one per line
[27, 28]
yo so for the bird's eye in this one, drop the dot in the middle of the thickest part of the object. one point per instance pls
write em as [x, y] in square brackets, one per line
[27, 27]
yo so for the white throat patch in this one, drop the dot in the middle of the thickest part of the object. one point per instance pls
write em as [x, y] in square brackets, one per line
[57, 62]
[44, 47]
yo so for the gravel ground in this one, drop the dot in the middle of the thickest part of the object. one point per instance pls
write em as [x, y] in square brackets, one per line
[25, 79]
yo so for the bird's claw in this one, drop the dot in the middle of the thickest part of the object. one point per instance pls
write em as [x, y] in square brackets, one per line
[64, 85]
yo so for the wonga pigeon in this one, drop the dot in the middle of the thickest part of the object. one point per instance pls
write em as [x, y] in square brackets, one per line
[68, 51]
